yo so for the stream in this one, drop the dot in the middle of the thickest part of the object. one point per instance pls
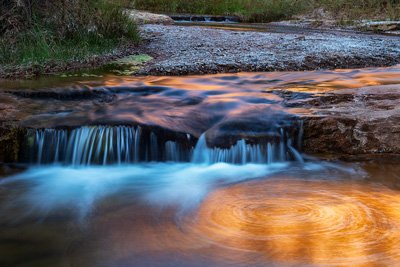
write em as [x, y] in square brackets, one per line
[190, 171]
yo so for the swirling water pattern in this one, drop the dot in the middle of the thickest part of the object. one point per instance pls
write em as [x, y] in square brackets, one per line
[291, 221]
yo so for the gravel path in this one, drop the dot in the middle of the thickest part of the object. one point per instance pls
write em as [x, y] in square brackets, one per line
[180, 50]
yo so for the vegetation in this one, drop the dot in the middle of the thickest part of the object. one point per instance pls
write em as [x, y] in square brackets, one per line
[270, 10]
[362, 9]
[38, 31]
[249, 10]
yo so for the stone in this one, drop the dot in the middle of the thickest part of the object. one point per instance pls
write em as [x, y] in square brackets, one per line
[364, 121]
[381, 26]
[141, 17]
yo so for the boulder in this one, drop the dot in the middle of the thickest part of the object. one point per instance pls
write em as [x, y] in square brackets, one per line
[355, 121]
[141, 17]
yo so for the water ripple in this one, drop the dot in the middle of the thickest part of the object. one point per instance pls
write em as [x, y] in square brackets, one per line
[304, 222]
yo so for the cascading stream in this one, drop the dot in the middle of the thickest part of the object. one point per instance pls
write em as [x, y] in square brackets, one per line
[103, 145]
[236, 195]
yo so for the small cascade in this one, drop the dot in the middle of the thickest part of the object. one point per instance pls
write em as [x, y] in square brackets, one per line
[103, 145]
[243, 152]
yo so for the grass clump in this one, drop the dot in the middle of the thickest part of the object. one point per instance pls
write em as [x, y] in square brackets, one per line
[35, 32]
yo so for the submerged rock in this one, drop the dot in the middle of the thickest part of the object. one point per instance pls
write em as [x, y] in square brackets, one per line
[255, 125]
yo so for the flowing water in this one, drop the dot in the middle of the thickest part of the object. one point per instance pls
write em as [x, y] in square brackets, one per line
[133, 194]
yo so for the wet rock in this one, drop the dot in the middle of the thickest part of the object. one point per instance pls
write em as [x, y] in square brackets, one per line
[255, 125]
[380, 26]
[204, 18]
[10, 142]
[290, 95]
[65, 94]
[355, 121]
[7, 170]
[396, 33]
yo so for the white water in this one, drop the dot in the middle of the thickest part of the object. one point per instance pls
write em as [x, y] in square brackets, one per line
[90, 164]
[161, 184]
[101, 145]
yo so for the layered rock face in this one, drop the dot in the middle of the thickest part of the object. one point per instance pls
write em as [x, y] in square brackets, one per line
[355, 121]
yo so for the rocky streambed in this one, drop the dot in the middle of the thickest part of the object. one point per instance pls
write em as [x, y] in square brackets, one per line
[181, 50]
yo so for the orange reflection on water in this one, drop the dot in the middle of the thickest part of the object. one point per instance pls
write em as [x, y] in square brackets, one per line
[304, 222]
[311, 81]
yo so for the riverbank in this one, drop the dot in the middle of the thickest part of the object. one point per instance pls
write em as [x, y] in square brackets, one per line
[52, 67]
[42, 37]
[206, 49]
[181, 50]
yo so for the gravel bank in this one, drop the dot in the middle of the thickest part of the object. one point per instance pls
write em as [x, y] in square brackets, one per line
[181, 50]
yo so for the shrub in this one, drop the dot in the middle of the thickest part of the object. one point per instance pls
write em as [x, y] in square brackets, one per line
[36, 31]
[270, 10]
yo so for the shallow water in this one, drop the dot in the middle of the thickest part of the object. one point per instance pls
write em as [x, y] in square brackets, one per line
[87, 200]
[189, 104]
[185, 214]
[315, 81]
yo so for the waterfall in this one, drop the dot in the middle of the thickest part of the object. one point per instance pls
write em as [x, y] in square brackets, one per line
[243, 152]
[102, 145]
[201, 151]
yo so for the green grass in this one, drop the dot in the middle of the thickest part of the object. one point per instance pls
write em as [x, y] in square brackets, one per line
[38, 47]
[92, 30]
[272, 10]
